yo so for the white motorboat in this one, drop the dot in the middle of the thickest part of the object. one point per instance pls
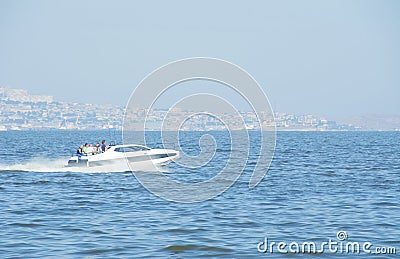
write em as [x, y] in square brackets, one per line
[137, 156]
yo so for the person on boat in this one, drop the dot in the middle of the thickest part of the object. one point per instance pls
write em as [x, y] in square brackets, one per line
[90, 149]
[80, 151]
[97, 148]
[103, 146]
[84, 149]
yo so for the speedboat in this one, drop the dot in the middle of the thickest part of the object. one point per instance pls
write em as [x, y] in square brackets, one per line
[137, 156]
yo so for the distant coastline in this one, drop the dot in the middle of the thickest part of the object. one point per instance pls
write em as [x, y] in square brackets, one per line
[20, 110]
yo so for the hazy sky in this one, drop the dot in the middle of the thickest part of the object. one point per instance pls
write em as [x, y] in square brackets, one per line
[328, 58]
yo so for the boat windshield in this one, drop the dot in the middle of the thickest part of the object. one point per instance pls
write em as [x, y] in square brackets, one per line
[131, 149]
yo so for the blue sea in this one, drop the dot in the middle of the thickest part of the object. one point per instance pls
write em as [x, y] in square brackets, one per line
[321, 187]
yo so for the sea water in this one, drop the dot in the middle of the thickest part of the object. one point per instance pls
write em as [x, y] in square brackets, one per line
[321, 187]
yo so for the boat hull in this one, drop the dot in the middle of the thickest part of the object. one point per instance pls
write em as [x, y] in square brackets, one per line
[139, 160]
